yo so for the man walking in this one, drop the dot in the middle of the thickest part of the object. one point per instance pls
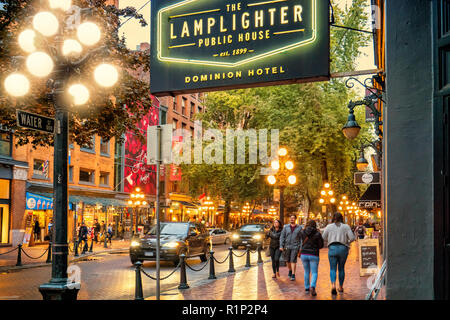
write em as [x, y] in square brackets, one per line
[96, 230]
[83, 236]
[290, 243]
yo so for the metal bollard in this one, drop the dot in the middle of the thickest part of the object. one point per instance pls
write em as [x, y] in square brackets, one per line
[231, 264]
[260, 260]
[49, 253]
[247, 263]
[92, 245]
[19, 256]
[183, 282]
[76, 249]
[212, 272]
[138, 293]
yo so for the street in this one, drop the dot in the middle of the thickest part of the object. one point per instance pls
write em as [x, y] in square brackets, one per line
[112, 277]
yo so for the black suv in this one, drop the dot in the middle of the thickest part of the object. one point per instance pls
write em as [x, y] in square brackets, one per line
[252, 234]
[189, 238]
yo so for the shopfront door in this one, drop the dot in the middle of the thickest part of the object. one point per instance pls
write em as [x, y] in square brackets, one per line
[441, 110]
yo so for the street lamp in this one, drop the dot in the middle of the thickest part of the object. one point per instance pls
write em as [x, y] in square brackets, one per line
[136, 200]
[362, 163]
[351, 129]
[40, 63]
[327, 196]
[283, 176]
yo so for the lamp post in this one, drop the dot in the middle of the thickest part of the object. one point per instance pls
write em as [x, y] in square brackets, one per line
[362, 163]
[59, 60]
[137, 199]
[327, 197]
[283, 176]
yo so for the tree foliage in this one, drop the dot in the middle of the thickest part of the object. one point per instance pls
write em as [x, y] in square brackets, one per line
[105, 113]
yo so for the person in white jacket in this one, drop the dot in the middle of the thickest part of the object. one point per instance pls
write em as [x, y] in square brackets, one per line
[338, 236]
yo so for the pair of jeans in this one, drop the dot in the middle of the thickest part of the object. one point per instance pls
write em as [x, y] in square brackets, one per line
[337, 255]
[311, 266]
[275, 254]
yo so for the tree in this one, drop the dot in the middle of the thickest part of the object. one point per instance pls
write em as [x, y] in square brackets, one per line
[109, 112]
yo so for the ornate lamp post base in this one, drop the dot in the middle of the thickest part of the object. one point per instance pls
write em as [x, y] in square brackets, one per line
[59, 291]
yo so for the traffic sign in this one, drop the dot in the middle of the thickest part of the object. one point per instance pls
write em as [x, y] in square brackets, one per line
[34, 121]
[367, 178]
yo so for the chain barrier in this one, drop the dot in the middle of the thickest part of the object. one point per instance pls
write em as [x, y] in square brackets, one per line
[240, 256]
[220, 262]
[197, 270]
[165, 277]
[1, 254]
[25, 253]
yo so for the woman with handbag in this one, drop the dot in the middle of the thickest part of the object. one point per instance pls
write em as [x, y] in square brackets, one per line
[274, 247]
[312, 242]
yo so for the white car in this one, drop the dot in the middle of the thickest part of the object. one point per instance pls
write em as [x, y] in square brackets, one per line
[220, 236]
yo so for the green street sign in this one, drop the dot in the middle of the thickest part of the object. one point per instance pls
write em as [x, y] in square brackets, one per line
[204, 45]
[35, 122]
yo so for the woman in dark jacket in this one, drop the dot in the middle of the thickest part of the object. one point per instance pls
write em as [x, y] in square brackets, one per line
[274, 247]
[312, 243]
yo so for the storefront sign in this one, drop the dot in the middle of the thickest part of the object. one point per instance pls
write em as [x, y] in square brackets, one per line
[204, 45]
[367, 178]
[37, 202]
[34, 121]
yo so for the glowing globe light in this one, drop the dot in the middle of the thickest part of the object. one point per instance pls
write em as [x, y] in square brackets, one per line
[323, 192]
[17, 85]
[330, 193]
[71, 47]
[138, 189]
[88, 33]
[26, 40]
[289, 165]
[39, 64]
[321, 201]
[46, 23]
[61, 4]
[130, 202]
[275, 165]
[332, 200]
[80, 94]
[282, 152]
[327, 185]
[271, 179]
[292, 179]
[106, 75]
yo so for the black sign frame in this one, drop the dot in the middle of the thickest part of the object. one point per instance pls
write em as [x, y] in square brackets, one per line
[293, 52]
[47, 123]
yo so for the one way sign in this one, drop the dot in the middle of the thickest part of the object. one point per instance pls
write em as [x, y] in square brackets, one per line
[35, 121]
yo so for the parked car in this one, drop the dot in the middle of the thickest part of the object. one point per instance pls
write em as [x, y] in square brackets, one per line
[189, 238]
[252, 234]
[219, 236]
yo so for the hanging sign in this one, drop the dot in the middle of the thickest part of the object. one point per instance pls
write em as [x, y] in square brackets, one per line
[204, 45]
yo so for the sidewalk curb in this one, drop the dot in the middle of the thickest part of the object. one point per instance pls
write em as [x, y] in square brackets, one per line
[200, 282]
[73, 259]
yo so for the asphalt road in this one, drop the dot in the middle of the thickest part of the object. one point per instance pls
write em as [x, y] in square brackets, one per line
[112, 277]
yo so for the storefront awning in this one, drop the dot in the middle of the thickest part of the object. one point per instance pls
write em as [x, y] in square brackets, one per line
[371, 198]
[85, 200]
[187, 204]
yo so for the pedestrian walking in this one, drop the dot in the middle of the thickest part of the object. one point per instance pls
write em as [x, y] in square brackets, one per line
[290, 242]
[338, 236]
[36, 230]
[360, 230]
[96, 230]
[50, 230]
[110, 233]
[274, 247]
[312, 242]
[120, 230]
[83, 236]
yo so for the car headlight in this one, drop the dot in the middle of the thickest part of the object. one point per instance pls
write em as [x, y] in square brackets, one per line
[257, 237]
[235, 236]
[135, 244]
[171, 244]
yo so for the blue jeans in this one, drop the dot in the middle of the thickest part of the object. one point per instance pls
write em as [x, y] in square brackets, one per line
[311, 266]
[337, 255]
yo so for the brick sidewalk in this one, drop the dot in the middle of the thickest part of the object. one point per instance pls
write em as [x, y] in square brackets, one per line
[256, 283]
[10, 259]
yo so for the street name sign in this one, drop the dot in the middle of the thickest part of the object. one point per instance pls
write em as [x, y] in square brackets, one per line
[35, 122]
[367, 178]
[205, 45]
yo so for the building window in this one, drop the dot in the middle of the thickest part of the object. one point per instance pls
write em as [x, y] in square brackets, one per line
[174, 103]
[40, 169]
[104, 147]
[192, 109]
[5, 144]
[183, 126]
[87, 176]
[183, 106]
[104, 178]
[163, 117]
[87, 148]
[71, 174]
[175, 124]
